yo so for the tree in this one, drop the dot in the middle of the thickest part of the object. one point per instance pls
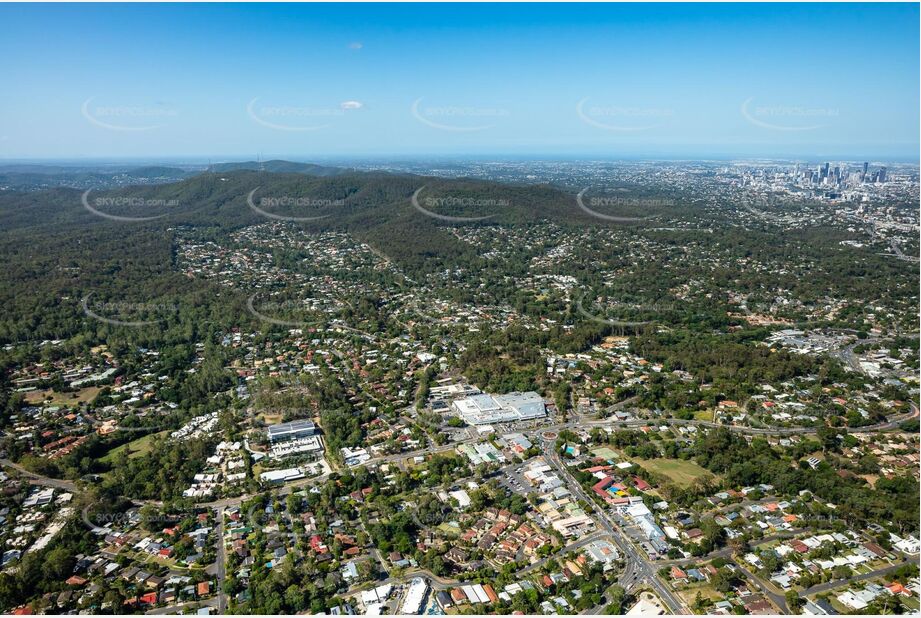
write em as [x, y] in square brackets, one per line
[617, 597]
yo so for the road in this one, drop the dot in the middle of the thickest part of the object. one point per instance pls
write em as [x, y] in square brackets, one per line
[431, 450]
[894, 245]
[639, 570]
[221, 562]
[777, 599]
[818, 588]
[435, 582]
[38, 479]
[890, 424]
[727, 551]
[180, 608]
[300, 483]
[586, 540]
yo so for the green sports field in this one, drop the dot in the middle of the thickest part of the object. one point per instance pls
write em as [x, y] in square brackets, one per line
[680, 472]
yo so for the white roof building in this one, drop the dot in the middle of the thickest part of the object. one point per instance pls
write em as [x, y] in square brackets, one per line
[415, 595]
[487, 409]
[281, 476]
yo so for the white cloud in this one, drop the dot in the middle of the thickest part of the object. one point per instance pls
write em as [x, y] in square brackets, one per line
[350, 105]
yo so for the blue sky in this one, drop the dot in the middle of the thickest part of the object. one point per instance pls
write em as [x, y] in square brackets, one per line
[313, 81]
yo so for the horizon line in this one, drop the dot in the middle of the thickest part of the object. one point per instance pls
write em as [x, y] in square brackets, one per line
[294, 158]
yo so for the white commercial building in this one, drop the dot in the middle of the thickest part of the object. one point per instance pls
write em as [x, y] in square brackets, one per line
[415, 596]
[281, 476]
[291, 431]
[462, 497]
[488, 409]
[574, 525]
[354, 456]
[309, 445]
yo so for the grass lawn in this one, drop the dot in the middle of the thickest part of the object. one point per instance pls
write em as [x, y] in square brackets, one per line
[156, 559]
[604, 452]
[773, 587]
[449, 529]
[270, 419]
[838, 605]
[704, 415]
[681, 472]
[706, 591]
[135, 448]
[83, 395]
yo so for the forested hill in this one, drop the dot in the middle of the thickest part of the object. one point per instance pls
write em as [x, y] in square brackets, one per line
[39, 177]
[354, 200]
[280, 166]
[60, 243]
